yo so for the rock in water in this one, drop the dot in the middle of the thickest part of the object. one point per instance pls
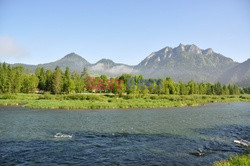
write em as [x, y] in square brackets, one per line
[61, 135]
[242, 142]
[198, 153]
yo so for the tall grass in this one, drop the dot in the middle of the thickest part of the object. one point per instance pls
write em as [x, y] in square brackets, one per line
[96, 101]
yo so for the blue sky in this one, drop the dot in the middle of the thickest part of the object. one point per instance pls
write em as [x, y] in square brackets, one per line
[125, 31]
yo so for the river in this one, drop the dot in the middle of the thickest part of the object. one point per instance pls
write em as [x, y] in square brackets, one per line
[165, 136]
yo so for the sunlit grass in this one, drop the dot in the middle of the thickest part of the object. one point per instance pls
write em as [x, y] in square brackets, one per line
[97, 101]
[243, 160]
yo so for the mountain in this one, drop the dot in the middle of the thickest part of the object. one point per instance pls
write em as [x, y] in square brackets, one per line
[239, 74]
[107, 66]
[182, 63]
[77, 63]
[73, 61]
[186, 62]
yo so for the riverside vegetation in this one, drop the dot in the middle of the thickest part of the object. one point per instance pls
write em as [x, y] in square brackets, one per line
[70, 90]
[242, 160]
[95, 101]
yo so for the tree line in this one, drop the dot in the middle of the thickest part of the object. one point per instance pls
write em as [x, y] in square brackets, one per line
[15, 79]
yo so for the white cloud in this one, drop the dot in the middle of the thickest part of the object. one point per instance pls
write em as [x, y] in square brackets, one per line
[9, 50]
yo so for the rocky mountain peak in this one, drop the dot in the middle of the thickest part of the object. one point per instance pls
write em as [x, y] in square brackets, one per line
[193, 49]
[180, 48]
[208, 51]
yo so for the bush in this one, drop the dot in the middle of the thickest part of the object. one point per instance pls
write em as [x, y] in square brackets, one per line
[204, 97]
[243, 160]
[47, 96]
[8, 96]
[128, 97]
[243, 97]
[153, 97]
[75, 97]
[94, 98]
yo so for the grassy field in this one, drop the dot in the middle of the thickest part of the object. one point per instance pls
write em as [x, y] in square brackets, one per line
[100, 101]
[243, 160]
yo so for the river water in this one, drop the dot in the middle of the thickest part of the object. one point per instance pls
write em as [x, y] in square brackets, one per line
[166, 136]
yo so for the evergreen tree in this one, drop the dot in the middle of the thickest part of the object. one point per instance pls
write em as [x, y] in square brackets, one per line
[79, 83]
[191, 85]
[165, 89]
[225, 90]
[10, 79]
[57, 81]
[3, 78]
[210, 89]
[68, 84]
[246, 90]
[183, 89]
[231, 89]
[40, 73]
[202, 88]
[218, 88]
[49, 80]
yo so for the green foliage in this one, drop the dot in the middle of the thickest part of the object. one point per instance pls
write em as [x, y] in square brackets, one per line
[8, 96]
[79, 83]
[68, 82]
[57, 81]
[243, 160]
[42, 78]
[47, 96]
[94, 101]
[246, 90]
[15, 80]
[30, 83]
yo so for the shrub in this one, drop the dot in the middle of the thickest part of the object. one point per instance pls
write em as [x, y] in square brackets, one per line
[8, 96]
[243, 160]
[75, 97]
[47, 96]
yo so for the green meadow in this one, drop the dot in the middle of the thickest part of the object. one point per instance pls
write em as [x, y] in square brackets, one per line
[109, 101]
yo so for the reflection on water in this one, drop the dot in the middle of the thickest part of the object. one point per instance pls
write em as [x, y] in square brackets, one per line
[123, 137]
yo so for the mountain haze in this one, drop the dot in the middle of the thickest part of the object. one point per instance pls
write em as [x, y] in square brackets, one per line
[107, 66]
[182, 63]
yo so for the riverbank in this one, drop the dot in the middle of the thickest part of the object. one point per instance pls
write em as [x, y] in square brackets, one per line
[108, 101]
[242, 160]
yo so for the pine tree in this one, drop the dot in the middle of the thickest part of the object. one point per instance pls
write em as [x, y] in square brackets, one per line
[57, 81]
[218, 88]
[79, 83]
[68, 85]
[10, 79]
[17, 83]
[3, 78]
[225, 90]
[42, 78]
[49, 78]
[183, 89]
[191, 85]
